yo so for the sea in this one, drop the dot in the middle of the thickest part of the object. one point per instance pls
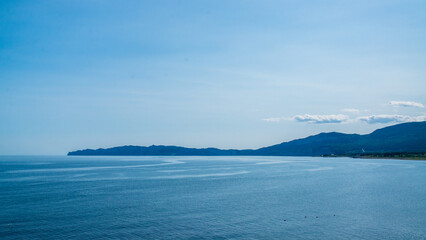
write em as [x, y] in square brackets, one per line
[180, 197]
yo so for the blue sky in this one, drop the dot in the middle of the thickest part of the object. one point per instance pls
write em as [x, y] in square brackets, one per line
[228, 74]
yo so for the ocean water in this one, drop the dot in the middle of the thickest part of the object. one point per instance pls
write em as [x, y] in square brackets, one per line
[59, 197]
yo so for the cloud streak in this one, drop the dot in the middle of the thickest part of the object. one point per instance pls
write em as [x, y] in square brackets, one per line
[351, 110]
[406, 104]
[320, 119]
[274, 119]
[373, 119]
[340, 118]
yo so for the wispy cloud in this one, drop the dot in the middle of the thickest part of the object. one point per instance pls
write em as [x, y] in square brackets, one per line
[274, 119]
[351, 110]
[341, 118]
[406, 104]
[319, 119]
[391, 118]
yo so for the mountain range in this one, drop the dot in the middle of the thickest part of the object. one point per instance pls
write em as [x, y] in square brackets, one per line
[404, 137]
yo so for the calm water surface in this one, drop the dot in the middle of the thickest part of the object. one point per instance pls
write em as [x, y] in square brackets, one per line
[211, 198]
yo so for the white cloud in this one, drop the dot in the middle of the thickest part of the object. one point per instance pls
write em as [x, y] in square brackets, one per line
[318, 119]
[406, 104]
[391, 118]
[275, 119]
[351, 110]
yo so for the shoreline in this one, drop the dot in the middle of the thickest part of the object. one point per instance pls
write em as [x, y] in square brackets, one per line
[413, 158]
[393, 158]
[390, 156]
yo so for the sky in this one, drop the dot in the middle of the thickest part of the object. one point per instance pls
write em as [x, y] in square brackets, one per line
[223, 73]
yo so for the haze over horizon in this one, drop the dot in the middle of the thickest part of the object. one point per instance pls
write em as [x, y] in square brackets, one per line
[225, 74]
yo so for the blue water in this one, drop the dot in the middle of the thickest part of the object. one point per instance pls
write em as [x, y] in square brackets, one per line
[211, 198]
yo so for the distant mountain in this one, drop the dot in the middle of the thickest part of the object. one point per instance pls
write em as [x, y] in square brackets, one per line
[156, 150]
[405, 137]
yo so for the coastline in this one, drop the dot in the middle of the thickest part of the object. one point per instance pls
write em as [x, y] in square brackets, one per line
[389, 156]
[393, 158]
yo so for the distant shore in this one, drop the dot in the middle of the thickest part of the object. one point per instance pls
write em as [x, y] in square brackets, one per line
[395, 156]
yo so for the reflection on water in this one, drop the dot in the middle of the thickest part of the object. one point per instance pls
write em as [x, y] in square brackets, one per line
[211, 197]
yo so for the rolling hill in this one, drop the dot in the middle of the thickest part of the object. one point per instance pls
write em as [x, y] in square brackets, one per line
[404, 137]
